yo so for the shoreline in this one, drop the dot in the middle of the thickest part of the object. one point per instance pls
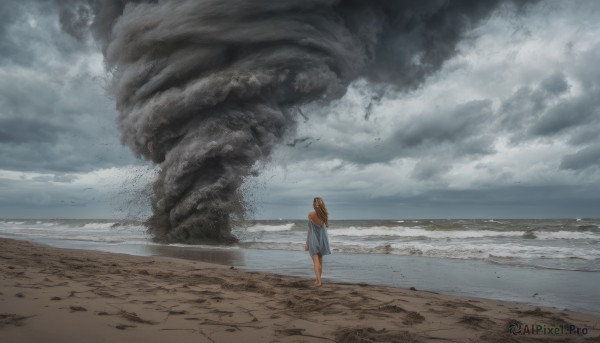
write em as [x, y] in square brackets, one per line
[551, 288]
[60, 295]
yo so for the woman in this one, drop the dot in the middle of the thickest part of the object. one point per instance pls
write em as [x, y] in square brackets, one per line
[317, 242]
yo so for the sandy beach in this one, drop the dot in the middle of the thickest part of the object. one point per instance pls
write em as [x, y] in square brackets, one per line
[64, 295]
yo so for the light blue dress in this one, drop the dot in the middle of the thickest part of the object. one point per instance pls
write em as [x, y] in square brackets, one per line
[317, 239]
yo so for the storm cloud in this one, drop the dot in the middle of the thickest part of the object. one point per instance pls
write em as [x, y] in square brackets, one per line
[207, 89]
[54, 115]
[517, 112]
[472, 104]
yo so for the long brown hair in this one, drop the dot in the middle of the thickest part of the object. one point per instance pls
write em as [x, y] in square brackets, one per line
[321, 210]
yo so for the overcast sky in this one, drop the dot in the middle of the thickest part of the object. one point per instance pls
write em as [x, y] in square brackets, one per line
[509, 128]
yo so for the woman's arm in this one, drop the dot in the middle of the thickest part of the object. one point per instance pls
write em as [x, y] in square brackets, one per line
[307, 235]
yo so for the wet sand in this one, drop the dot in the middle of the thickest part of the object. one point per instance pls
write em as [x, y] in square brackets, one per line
[64, 295]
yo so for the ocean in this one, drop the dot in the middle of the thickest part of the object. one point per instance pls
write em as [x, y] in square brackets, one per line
[547, 262]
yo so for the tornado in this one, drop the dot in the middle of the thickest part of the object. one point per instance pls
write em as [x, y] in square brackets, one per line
[206, 89]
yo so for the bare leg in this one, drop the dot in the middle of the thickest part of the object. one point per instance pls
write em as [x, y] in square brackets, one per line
[318, 268]
[320, 265]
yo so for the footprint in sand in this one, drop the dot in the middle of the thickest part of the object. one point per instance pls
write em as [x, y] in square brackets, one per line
[77, 309]
[476, 321]
[347, 335]
[7, 319]
[413, 318]
[392, 309]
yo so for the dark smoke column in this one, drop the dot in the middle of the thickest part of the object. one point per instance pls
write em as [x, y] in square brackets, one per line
[203, 87]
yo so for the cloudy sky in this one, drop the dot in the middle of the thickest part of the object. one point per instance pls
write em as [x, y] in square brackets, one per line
[508, 128]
